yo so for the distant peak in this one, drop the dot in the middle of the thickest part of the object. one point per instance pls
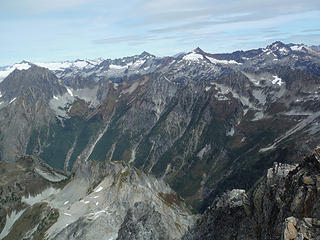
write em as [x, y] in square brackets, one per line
[277, 44]
[199, 50]
[144, 54]
[25, 61]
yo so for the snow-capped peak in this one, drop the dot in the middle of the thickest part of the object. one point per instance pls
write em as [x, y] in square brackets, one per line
[276, 45]
[60, 66]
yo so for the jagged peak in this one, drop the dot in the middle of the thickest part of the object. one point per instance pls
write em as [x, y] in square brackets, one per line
[277, 44]
[145, 54]
[25, 61]
[199, 51]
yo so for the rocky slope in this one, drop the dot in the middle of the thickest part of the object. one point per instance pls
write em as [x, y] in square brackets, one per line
[96, 202]
[202, 122]
[284, 204]
[24, 105]
[18, 181]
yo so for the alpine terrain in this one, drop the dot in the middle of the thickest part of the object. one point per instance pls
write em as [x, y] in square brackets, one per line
[195, 146]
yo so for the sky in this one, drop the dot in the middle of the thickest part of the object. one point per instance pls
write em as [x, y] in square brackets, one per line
[59, 30]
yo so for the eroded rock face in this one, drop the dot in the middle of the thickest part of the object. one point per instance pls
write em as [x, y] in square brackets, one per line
[284, 205]
[113, 200]
[142, 222]
[100, 201]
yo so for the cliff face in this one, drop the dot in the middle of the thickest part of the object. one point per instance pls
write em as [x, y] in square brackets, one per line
[284, 204]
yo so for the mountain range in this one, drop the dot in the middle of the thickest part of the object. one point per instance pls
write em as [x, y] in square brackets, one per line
[174, 133]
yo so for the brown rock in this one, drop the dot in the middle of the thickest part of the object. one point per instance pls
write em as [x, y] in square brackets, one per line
[290, 232]
[308, 180]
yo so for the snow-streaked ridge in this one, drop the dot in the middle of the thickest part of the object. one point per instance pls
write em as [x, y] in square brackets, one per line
[217, 61]
[193, 57]
[20, 66]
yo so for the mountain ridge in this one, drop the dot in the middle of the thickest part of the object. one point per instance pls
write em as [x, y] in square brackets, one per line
[192, 127]
[52, 66]
[169, 115]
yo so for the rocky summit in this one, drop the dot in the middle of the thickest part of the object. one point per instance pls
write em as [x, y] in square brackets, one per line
[195, 146]
[284, 204]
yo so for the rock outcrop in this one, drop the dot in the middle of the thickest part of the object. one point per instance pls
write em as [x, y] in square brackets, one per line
[282, 205]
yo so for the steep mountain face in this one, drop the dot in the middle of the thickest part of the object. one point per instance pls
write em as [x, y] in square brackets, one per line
[24, 105]
[98, 201]
[202, 122]
[283, 205]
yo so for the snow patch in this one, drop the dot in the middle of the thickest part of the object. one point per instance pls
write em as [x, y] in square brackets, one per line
[12, 100]
[230, 132]
[99, 189]
[118, 67]
[277, 80]
[40, 197]
[207, 89]
[217, 61]
[296, 48]
[138, 63]
[50, 176]
[283, 50]
[258, 116]
[193, 57]
[115, 86]
[85, 202]
[10, 220]
[70, 92]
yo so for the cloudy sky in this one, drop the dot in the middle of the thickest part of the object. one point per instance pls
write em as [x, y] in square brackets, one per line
[55, 30]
